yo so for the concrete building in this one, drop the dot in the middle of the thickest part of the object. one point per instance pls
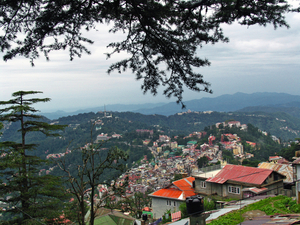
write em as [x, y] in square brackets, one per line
[235, 181]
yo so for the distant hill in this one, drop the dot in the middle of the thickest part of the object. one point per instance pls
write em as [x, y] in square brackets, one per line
[228, 103]
[223, 103]
[293, 111]
[115, 108]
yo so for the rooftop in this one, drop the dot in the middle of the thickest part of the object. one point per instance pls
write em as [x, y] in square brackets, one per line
[243, 174]
[179, 189]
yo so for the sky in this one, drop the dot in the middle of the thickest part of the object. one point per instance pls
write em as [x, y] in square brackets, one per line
[257, 59]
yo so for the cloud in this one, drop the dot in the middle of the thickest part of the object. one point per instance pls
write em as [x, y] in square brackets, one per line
[255, 59]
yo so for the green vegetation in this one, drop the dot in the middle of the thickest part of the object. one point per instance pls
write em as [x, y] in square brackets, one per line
[202, 162]
[289, 152]
[183, 209]
[271, 206]
[79, 132]
[30, 197]
[209, 204]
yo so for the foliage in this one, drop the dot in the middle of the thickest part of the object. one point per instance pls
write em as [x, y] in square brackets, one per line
[251, 162]
[289, 152]
[228, 156]
[271, 206]
[209, 204]
[135, 203]
[167, 216]
[162, 37]
[183, 209]
[202, 162]
[177, 176]
[73, 211]
[93, 164]
[30, 196]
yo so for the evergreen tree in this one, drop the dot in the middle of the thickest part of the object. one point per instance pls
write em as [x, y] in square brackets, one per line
[29, 196]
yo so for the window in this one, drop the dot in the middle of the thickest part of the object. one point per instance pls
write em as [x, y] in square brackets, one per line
[276, 177]
[234, 190]
[203, 184]
[174, 203]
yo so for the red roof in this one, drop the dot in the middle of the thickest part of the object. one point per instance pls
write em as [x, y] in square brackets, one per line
[168, 193]
[243, 174]
[185, 185]
[180, 189]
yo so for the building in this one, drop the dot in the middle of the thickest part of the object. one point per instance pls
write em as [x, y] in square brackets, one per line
[235, 181]
[274, 159]
[171, 196]
[102, 137]
[296, 178]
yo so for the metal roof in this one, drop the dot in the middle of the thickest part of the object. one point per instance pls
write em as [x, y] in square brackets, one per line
[284, 169]
[256, 190]
[243, 174]
[297, 161]
[180, 189]
[283, 219]
[168, 193]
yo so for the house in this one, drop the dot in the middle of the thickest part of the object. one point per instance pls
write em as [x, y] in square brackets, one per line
[284, 169]
[235, 181]
[274, 159]
[102, 137]
[296, 178]
[170, 197]
[112, 217]
[191, 144]
[234, 123]
[287, 171]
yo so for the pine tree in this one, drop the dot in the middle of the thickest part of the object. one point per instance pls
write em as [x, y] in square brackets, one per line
[29, 196]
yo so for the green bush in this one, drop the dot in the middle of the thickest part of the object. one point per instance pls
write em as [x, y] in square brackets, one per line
[209, 204]
[270, 210]
[182, 208]
[295, 208]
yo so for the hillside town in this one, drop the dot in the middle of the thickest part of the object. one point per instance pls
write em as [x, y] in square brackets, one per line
[218, 178]
[182, 168]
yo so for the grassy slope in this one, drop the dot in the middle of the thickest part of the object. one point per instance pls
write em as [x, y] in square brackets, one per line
[279, 204]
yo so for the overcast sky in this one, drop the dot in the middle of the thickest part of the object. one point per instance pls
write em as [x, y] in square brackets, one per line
[257, 59]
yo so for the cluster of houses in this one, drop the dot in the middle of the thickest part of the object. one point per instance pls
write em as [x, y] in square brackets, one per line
[278, 176]
[226, 181]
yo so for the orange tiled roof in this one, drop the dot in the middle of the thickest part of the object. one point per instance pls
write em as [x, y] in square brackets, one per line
[168, 193]
[183, 188]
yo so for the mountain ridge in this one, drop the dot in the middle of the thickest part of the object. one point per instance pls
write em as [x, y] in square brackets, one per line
[223, 103]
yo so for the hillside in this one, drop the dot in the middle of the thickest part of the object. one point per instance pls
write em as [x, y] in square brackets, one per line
[292, 111]
[281, 125]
